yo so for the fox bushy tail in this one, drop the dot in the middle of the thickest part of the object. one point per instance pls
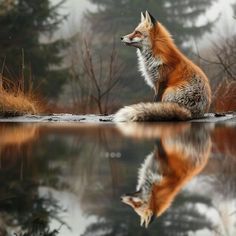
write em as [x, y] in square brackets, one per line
[161, 111]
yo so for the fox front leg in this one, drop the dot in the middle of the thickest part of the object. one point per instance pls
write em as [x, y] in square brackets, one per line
[156, 97]
[159, 90]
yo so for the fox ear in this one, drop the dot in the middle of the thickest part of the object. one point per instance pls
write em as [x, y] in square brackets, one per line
[151, 20]
[142, 17]
[147, 218]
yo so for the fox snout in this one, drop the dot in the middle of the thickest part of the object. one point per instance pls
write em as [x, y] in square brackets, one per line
[131, 40]
[123, 198]
[126, 39]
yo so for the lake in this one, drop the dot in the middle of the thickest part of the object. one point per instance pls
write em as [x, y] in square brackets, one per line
[71, 179]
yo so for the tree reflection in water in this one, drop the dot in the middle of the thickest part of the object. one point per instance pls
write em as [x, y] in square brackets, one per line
[186, 146]
[23, 210]
[79, 160]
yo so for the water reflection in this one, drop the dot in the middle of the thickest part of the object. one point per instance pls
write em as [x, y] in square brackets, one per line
[67, 179]
[23, 210]
[178, 156]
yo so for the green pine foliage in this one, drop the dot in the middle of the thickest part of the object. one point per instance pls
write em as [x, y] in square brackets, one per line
[26, 28]
[180, 17]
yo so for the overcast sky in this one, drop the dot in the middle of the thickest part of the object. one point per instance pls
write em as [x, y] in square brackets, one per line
[74, 9]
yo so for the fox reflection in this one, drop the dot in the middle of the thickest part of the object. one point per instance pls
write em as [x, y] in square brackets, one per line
[178, 156]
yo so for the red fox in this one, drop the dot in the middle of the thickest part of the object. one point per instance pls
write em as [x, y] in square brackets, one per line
[179, 155]
[182, 90]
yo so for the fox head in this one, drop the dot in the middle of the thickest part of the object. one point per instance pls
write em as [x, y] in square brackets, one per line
[140, 37]
[141, 207]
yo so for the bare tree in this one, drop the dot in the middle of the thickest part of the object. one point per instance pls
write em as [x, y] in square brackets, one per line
[222, 68]
[93, 79]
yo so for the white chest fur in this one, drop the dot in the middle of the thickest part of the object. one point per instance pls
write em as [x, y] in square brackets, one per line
[149, 173]
[149, 66]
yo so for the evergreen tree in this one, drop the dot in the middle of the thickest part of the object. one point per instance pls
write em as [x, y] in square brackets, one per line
[116, 18]
[26, 27]
[180, 17]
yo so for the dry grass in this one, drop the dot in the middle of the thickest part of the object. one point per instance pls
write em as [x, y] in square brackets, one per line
[14, 135]
[12, 104]
[224, 97]
[14, 100]
[16, 94]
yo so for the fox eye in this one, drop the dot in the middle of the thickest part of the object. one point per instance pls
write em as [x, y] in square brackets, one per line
[138, 32]
[137, 204]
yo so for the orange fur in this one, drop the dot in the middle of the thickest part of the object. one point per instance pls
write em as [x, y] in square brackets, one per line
[177, 158]
[181, 169]
[179, 67]
[173, 77]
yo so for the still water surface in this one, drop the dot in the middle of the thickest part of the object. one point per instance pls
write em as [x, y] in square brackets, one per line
[67, 179]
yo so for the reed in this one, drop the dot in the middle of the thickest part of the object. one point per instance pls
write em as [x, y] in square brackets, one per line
[15, 97]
